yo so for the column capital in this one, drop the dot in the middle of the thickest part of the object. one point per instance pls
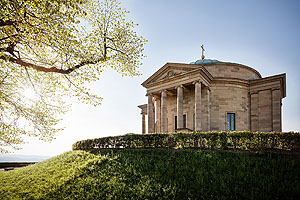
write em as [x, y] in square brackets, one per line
[272, 89]
[179, 86]
[197, 81]
[143, 109]
[163, 93]
[149, 94]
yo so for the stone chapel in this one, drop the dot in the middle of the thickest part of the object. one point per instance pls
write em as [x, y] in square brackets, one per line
[210, 95]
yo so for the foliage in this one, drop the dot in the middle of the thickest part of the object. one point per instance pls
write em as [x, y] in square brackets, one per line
[125, 141]
[55, 48]
[244, 140]
[156, 174]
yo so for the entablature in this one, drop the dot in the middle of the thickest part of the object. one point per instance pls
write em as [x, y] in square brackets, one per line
[185, 80]
[277, 82]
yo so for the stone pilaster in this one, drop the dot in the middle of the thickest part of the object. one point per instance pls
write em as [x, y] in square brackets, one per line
[163, 110]
[265, 110]
[150, 111]
[276, 110]
[197, 106]
[254, 111]
[179, 107]
[249, 111]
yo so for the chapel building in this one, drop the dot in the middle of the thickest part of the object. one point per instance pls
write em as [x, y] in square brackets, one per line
[210, 95]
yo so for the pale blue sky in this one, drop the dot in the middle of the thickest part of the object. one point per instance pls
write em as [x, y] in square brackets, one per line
[263, 34]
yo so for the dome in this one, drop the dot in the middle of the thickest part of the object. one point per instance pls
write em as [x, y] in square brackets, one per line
[228, 69]
[205, 61]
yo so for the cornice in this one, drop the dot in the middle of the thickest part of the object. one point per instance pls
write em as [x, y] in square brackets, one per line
[271, 80]
[234, 81]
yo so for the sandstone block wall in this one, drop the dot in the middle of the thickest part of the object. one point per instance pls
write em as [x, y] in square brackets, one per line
[266, 106]
[229, 98]
[265, 110]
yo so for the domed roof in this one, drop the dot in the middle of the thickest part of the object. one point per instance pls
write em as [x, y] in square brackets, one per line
[228, 69]
[205, 61]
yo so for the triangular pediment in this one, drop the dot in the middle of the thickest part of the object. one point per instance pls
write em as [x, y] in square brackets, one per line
[170, 70]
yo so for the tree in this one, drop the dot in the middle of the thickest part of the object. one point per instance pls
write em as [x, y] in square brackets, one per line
[56, 47]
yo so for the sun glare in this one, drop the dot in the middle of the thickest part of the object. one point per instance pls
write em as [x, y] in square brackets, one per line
[30, 94]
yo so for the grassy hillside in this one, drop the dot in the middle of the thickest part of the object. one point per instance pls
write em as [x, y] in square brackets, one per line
[156, 174]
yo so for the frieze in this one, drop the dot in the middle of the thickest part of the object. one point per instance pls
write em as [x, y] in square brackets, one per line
[171, 74]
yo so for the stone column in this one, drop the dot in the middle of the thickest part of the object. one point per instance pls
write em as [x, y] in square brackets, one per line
[150, 112]
[208, 109]
[197, 106]
[143, 113]
[179, 107]
[143, 123]
[276, 110]
[158, 114]
[163, 110]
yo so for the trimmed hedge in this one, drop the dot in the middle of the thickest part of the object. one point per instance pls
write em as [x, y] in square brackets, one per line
[244, 140]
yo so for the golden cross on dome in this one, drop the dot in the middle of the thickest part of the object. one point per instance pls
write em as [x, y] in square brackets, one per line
[202, 47]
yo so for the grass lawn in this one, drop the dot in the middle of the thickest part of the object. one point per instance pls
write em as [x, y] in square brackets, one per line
[156, 174]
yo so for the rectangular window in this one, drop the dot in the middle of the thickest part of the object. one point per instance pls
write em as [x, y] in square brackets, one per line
[230, 121]
[184, 121]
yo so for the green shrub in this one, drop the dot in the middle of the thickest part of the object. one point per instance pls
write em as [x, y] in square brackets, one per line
[244, 140]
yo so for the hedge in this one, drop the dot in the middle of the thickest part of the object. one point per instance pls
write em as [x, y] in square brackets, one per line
[238, 140]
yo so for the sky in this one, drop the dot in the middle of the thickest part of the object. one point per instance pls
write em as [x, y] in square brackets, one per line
[262, 34]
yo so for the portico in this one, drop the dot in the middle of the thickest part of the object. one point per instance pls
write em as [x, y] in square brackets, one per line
[177, 104]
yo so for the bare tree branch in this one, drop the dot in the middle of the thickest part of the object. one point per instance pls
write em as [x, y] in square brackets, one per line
[6, 23]
[117, 50]
[51, 69]
[8, 37]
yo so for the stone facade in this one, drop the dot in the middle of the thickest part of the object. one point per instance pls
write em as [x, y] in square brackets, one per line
[200, 97]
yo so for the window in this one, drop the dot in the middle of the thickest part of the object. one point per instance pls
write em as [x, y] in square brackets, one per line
[230, 121]
[184, 121]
